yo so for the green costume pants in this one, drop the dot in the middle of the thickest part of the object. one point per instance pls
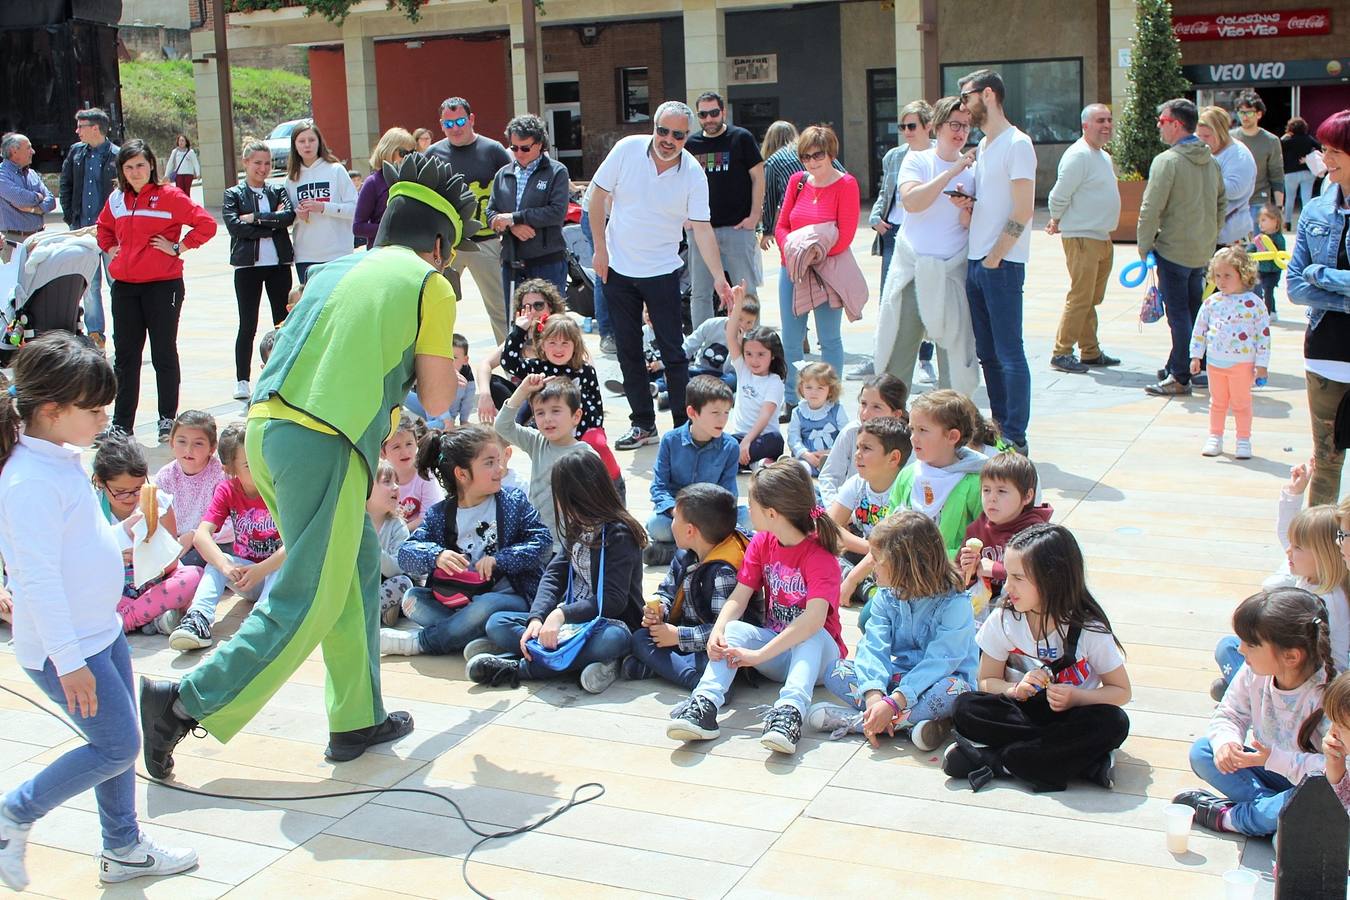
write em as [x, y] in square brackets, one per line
[326, 593]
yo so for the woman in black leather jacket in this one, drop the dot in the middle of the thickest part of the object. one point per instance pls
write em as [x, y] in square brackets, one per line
[257, 215]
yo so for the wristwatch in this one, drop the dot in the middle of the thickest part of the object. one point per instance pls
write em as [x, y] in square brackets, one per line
[177, 249]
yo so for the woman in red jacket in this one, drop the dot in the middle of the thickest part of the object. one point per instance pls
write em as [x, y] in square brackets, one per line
[141, 230]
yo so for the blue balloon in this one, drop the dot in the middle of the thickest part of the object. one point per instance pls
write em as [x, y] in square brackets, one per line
[1134, 274]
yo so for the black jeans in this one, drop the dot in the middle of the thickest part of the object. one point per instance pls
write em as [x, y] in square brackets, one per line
[1182, 289]
[140, 309]
[1268, 281]
[249, 282]
[625, 297]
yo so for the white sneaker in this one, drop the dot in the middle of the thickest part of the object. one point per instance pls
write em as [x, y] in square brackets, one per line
[167, 621]
[397, 642]
[13, 846]
[142, 859]
[477, 646]
[928, 734]
[836, 719]
[599, 675]
[927, 374]
[242, 391]
[1244, 449]
[1213, 446]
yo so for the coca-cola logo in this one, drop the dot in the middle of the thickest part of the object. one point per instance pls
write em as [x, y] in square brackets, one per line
[1221, 26]
[1308, 23]
[1191, 28]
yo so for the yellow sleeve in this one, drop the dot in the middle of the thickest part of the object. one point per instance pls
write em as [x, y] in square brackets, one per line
[437, 328]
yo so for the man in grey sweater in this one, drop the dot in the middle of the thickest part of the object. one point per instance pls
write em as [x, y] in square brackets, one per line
[1265, 148]
[1085, 209]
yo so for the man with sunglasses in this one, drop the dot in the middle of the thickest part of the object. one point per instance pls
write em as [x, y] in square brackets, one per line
[1179, 221]
[478, 159]
[651, 186]
[1266, 150]
[527, 208]
[730, 158]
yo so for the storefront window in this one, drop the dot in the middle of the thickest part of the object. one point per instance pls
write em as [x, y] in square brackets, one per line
[1044, 96]
[634, 102]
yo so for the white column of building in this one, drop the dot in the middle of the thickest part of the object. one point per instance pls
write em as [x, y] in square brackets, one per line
[363, 99]
[705, 49]
[217, 173]
[1123, 30]
[519, 90]
[909, 59]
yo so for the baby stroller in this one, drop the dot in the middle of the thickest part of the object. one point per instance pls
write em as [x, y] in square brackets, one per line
[580, 275]
[42, 286]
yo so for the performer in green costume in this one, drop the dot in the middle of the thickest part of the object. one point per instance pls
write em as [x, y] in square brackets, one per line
[367, 325]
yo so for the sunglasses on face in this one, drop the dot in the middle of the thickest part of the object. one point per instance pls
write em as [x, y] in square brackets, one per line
[709, 113]
[965, 94]
[1163, 120]
[1244, 113]
[813, 157]
[535, 305]
[522, 148]
[909, 126]
[455, 123]
[675, 133]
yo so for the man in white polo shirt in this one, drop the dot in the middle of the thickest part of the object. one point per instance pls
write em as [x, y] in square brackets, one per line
[652, 186]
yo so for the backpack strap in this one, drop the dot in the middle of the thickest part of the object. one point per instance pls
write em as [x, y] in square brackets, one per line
[1069, 658]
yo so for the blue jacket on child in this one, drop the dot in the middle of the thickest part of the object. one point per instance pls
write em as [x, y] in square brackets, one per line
[681, 462]
[523, 541]
[927, 639]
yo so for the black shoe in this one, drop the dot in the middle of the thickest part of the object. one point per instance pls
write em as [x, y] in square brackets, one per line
[636, 437]
[782, 729]
[493, 670]
[193, 633]
[1103, 772]
[634, 669]
[658, 553]
[663, 401]
[614, 386]
[112, 432]
[165, 429]
[975, 762]
[1102, 360]
[1067, 362]
[697, 721]
[344, 746]
[161, 726]
[786, 415]
[1209, 808]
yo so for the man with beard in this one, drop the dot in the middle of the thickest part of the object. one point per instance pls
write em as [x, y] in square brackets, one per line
[651, 186]
[1005, 185]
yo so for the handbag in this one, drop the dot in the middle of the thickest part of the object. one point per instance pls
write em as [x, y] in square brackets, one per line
[1151, 310]
[571, 638]
[458, 590]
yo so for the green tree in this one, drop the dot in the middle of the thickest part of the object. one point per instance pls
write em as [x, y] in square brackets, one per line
[336, 10]
[1154, 78]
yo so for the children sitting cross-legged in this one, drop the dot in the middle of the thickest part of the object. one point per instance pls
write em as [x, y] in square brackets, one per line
[881, 395]
[590, 598]
[673, 639]
[258, 553]
[1007, 497]
[482, 548]
[191, 478]
[387, 516]
[918, 652]
[699, 451]
[1266, 735]
[556, 403]
[1062, 719]
[817, 421]
[793, 559]
[761, 372]
[882, 449]
[945, 483]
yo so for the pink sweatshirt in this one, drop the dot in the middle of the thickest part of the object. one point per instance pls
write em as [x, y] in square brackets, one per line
[192, 495]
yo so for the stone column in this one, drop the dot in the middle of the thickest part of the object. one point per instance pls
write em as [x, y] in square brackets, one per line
[705, 50]
[363, 102]
[1122, 38]
[520, 60]
[217, 173]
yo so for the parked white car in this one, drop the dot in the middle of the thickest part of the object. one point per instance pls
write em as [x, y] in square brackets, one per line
[279, 143]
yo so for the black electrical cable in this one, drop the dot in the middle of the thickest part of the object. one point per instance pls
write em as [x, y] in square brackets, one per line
[483, 836]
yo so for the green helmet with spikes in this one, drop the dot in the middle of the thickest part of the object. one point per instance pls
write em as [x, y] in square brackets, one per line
[426, 201]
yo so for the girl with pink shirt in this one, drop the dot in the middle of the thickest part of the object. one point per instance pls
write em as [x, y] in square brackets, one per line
[416, 494]
[820, 194]
[191, 478]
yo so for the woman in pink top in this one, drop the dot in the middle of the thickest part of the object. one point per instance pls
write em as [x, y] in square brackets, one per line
[820, 194]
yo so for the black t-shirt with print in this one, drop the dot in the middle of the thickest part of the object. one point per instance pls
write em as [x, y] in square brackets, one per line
[727, 160]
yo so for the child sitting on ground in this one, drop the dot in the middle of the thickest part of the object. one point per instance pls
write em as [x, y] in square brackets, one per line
[191, 478]
[945, 482]
[817, 421]
[482, 548]
[1336, 707]
[155, 605]
[1274, 704]
[793, 559]
[387, 516]
[697, 452]
[883, 448]
[1007, 501]
[556, 403]
[415, 494]
[1061, 719]
[881, 395]
[761, 373]
[1232, 333]
[706, 346]
[673, 639]
[465, 401]
[597, 579]
[258, 553]
[917, 654]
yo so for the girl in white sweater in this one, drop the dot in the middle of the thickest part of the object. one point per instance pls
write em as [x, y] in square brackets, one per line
[324, 199]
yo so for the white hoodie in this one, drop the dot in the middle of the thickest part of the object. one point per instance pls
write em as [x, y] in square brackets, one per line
[328, 235]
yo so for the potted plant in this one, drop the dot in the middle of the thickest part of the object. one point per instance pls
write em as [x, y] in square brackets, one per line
[1154, 78]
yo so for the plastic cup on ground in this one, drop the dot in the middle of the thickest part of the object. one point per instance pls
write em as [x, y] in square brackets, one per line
[1178, 824]
[1240, 884]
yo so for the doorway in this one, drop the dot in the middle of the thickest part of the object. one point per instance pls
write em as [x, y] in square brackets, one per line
[883, 125]
[562, 114]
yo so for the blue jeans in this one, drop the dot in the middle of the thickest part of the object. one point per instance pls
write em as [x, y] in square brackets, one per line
[554, 272]
[609, 641]
[683, 669]
[1229, 659]
[1258, 794]
[601, 307]
[302, 270]
[800, 668]
[828, 320]
[94, 321]
[935, 703]
[995, 298]
[1296, 185]
[446, 631]
[107, 763]
[1182, 288]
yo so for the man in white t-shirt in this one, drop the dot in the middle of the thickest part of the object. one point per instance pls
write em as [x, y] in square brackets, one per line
[1005, 187]
[652, 186]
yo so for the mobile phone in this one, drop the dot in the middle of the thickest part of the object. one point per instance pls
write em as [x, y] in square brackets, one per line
[958, 193]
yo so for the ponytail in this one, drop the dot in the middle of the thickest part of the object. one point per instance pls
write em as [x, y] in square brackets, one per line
[57, 368]
[9, 421]
[828, 533]
[1307, 732]
[785, 487]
